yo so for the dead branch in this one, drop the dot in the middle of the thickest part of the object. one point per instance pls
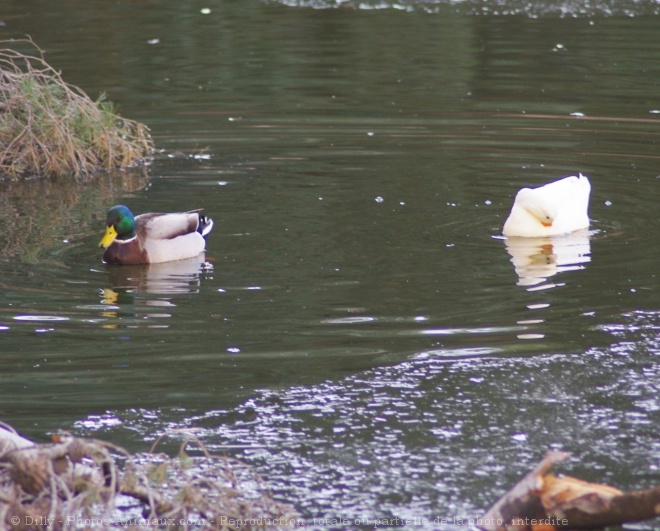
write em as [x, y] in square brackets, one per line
[542, 501]
[48, 486]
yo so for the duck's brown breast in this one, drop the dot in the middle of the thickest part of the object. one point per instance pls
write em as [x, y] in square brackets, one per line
[126, 253]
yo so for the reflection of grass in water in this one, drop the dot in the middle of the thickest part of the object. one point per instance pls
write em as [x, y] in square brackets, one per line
[38, 215]
[48, 127]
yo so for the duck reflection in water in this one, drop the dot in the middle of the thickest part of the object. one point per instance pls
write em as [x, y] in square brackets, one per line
[535, 260]
[166, 278]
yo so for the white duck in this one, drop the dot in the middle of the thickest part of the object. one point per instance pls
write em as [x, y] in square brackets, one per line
[556, 208]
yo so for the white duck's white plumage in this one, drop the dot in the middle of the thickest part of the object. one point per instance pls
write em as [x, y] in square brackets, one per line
[556, 208]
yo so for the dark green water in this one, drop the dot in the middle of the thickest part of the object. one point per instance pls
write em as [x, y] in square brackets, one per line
[357, 331]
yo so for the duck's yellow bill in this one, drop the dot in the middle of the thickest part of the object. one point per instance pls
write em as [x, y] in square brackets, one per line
[109, 237]
[544, 223]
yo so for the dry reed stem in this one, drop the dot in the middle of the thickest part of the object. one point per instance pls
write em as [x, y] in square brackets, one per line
[48, 127]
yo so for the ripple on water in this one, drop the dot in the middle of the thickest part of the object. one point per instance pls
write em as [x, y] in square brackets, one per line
[422, 452]
[40, 318]
[583, 8]
[443, 438]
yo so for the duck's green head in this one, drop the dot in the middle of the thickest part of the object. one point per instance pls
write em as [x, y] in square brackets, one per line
[119, 225]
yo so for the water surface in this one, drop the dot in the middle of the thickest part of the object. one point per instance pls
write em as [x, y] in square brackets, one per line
[358, 330]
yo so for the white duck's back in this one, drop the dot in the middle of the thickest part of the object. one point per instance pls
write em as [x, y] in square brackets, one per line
[556, 208]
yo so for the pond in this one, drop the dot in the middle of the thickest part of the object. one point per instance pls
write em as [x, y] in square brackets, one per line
[358, 330]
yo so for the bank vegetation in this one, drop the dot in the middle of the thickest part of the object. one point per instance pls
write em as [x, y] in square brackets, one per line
[51, 128]
[79, 483]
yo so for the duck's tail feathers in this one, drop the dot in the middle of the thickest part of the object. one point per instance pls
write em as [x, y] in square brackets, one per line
[205, 225]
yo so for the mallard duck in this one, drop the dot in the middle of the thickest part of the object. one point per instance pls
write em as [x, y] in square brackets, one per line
[153, 238]
[556, 208]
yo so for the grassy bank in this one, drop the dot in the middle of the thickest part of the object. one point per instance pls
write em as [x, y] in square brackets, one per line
[51, 128]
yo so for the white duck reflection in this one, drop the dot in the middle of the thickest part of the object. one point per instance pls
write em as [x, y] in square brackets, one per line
[537, 259]
[166, 278]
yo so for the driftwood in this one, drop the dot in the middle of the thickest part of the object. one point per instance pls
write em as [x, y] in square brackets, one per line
[73, 483]
[543, 502]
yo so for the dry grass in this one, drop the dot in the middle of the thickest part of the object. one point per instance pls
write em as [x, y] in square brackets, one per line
[76, 483]
[51, 128]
